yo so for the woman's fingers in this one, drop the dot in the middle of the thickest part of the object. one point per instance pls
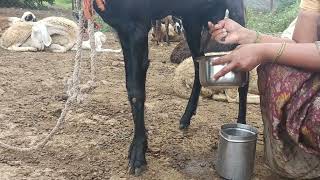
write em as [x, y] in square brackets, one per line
[220, 35]
[223, 32]
[213, 27]
[220, 24]
[219, 31]
[221, 38]
[222, 60]
[210, 25]
[228, 68]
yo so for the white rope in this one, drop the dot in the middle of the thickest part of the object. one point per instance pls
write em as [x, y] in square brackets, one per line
[91, 84]
[74, 91]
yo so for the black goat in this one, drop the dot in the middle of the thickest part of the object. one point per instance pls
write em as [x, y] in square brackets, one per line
[131, 19]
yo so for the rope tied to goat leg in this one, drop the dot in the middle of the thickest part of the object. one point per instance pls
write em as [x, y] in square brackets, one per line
[74, 91]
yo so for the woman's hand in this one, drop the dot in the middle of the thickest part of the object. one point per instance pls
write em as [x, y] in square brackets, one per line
[228, 31]
[243, 58]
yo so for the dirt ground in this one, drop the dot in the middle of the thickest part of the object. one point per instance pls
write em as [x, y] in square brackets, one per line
[94, 141]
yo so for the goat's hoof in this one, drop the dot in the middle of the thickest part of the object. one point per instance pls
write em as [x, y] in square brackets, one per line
[241, 122]
[137, 160]
[137, 171]
[184, 124]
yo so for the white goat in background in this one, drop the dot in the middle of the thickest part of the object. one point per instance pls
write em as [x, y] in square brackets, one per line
[25, 36]
[56, 34]
[6, 22]
[26, 17]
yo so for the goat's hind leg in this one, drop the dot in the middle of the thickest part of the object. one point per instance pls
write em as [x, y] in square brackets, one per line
[237, 13]
[243, 94]
[134, 42]
[193, 35]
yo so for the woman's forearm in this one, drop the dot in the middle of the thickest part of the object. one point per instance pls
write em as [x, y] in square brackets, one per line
[305, 55]
[252, 36]
[273, 39]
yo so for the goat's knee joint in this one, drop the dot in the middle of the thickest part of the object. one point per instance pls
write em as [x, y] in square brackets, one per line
[134, 100]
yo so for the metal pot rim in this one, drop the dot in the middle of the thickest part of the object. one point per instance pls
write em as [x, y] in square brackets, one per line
[207, 56]
[232, 138]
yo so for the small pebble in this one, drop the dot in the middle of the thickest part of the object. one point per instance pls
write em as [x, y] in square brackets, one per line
[2, 91]
[115, 63]
[203, 164]
[117, 178]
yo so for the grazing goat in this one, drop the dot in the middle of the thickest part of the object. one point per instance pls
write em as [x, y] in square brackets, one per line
[131, 19]
[169, 35]
[165, 28]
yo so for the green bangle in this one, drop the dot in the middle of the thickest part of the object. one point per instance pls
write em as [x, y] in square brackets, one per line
[258, 37]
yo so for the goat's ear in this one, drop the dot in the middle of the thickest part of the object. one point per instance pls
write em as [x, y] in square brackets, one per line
[46, 39]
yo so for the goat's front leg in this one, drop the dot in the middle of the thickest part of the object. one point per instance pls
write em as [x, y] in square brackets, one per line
[193, 34]
[134, 41]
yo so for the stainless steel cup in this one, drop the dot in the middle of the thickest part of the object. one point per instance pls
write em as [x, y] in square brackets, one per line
[231, 79]
[236, 151]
